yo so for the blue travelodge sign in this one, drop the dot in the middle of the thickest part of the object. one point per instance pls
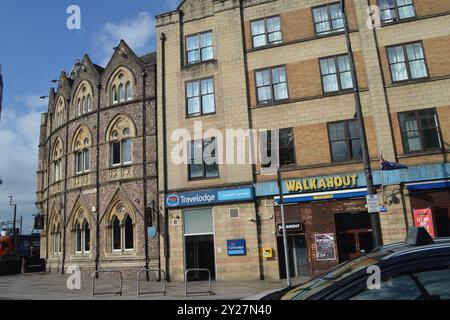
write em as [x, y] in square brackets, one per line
[236, 247]
[209, 197]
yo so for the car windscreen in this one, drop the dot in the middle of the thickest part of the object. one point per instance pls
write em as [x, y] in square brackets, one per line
[308, 289]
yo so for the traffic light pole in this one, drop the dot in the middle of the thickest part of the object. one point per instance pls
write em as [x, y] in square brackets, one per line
[374, 217]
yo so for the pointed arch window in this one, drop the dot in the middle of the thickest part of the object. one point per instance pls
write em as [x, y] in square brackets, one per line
[120, 136]
[122, 86]
[122, 228]
[83, 98]
[57, 162]
[56, 239]
[82, 237]
[82, 152]
[128, 233]
[116, 235]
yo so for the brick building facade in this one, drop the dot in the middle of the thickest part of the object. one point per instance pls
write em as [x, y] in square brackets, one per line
[97, 166]
[283, 64]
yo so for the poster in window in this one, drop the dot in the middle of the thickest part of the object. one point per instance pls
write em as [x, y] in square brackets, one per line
[424, 218]
[325, 247]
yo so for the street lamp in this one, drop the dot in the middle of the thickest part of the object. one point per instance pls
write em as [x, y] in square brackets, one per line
[374, 217]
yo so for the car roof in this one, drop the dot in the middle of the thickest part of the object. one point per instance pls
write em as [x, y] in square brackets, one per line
[399, 249]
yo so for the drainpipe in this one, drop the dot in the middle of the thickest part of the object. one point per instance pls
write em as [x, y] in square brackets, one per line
[65, 187]
[48, 186]
[163, 107]
[144, 162]
[97, 183]
[252, 145]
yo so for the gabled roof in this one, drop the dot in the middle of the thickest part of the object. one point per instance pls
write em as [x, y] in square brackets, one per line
[149, 59]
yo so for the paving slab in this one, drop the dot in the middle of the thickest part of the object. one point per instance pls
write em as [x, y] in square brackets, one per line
[50, 286]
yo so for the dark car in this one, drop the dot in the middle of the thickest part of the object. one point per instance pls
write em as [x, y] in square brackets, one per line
[418, 269]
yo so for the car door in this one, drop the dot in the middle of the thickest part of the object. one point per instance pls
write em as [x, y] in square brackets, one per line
[424, 279]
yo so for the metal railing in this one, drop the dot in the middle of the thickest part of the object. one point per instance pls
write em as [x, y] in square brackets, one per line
[139, 293]
[209, 292]
[106, 293]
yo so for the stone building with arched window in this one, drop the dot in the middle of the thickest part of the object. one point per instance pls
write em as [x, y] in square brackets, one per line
[97, 166]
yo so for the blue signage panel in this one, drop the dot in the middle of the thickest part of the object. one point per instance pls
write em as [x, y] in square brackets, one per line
[209, 197]
[236, 247]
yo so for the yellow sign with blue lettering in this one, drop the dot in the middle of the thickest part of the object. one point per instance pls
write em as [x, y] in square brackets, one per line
[322, 183]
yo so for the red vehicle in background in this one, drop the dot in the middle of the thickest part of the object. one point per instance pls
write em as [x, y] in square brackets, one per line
[20, 254]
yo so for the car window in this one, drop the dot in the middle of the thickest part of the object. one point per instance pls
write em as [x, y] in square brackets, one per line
[436, 282]
[393, 288]
[336, 274]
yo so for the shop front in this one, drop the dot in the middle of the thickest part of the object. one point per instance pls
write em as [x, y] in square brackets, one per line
[211, 229]
[326, 222]
[430, 204]
[327, 218]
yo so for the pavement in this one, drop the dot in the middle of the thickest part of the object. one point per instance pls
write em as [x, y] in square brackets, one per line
[50, 286]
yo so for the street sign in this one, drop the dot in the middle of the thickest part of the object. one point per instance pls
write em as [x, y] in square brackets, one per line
[372, 203]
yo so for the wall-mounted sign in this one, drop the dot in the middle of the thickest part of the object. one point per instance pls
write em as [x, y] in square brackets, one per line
[325, 247]
[373, 205]
[321, 183]
[424, 218]
[209, 197]
[236, 247]
[151, 231]
[291, 228]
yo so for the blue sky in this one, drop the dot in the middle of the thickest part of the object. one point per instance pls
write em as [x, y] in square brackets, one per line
[35, 46]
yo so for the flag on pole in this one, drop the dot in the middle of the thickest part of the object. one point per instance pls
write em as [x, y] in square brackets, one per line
[386, 165]
[1, 91]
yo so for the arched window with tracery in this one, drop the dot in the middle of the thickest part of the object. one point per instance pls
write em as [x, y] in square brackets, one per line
[55, 232]
[122, 85]
[57, 157]
[60, 111]
[122, 227]
[120, 133]
[81, 149]
[83, 98]
[82, 232]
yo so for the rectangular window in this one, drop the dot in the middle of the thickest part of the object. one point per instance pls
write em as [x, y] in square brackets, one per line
[203, 159]
[79, 162]
[266, 32]
[328, 19]
[200, 97]
[407, 62]
[199, 47]
[115, 153]
[86, 160]
[420, 130]
[126, 149]
[336, 74]
[271, 85]
[345, 140]
[198, 221]
[394, 10]
[286, 147]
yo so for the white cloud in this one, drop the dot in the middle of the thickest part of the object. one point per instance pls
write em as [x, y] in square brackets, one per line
[136, 32]
[31, 101]
[19, 138]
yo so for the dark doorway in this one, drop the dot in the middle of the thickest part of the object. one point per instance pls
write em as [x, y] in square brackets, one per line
[298, 256]
[200, 254]
[354, 235]
[442, 220]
